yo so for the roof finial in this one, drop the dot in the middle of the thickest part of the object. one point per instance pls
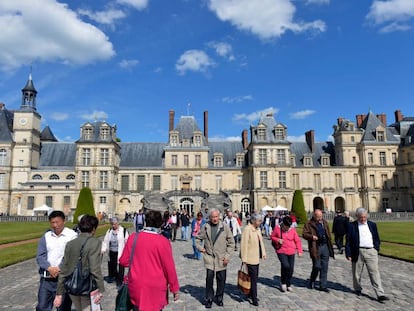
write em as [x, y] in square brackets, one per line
[188, 108]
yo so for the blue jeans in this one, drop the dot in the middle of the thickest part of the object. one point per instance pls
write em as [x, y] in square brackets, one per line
[267, 229]
[197, 253]
[46, 296]
[184, 233]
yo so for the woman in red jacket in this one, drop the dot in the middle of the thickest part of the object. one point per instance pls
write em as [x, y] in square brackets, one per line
[152, 270]
[287, 241]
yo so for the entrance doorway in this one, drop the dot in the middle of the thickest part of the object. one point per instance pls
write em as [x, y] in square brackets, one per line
[188, 205]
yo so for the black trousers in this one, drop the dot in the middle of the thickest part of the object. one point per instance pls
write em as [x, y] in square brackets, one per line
[254, 274]
[320, 266]
[339, 241]
[287, 264]
[114, 269]
[221, 282]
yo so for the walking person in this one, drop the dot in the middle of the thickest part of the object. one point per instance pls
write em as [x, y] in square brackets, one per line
[184, 224]
[215, 240]
[196, 225]
[362, 247]
[288, 241]
[234, 226]
[153, 271]
[91, 258]
[316, 232]
[252, 249]
[49, 257]
[174, 225]
[139, 221]
[339, 229]
[267, 223]
[114, 241]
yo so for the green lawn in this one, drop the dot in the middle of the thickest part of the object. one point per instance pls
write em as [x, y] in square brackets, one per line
[19, 231]
[397, 232]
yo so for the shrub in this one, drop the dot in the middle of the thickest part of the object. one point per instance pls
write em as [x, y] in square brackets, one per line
[84, 205]
[298, 207]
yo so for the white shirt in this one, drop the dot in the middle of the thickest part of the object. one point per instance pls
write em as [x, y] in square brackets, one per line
[56, 244]
[365, 236]
[174, 219]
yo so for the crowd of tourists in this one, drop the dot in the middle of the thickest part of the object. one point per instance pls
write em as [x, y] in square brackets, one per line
[216, 238]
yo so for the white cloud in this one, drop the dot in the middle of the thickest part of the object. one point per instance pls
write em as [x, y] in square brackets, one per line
[318, 1]
[296, 138]
[95, 115]
[128, 63]
[224, 138]
[59, 116]
[395, 12]
[265, 18]
[137, 4]
[47, 30]
[103, 17]
[301, 114]
[254, 116]
[223, 49]
[158, 69]
[237, 99]
[194, 60]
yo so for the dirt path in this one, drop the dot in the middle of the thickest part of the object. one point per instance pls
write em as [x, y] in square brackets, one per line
[2, 246]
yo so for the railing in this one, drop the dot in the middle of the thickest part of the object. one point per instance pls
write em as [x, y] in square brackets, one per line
[394, 216]
[23, 218]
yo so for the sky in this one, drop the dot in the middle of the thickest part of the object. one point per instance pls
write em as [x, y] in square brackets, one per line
[129, 62]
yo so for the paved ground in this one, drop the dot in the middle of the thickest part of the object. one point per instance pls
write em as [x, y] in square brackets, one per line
[19, 285]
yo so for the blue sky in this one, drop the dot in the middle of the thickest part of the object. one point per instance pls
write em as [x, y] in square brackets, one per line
[129, 62]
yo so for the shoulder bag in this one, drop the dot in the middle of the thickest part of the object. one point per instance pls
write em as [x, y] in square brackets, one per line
[275, 245]
[244, 280]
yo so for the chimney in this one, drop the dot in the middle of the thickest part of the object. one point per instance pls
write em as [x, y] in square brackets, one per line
[359, 119]
[398, 116]
[171, 126]
[245, 141]
[206, 125]
[310, 139]
[383, 118]
[340, 120]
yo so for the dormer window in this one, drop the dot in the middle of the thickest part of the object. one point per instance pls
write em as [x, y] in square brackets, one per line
[240, 160]
[261, 134]
[174, 139]
[218, 160]
[325, 160]
[279, 133]
[293, 160]
[307, 161]
[104, 133]
[87, 133]
[380, 135]
[197, 140]
[37, 177]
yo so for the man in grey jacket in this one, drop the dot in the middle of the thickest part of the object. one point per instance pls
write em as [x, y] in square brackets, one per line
[215, 240]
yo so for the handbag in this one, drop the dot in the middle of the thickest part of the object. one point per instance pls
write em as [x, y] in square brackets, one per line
[123, 301]
[275, 245]
[244, 280]
[80, 282]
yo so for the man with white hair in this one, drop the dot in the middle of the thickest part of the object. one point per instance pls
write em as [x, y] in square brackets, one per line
[362, 247]
[215, 240]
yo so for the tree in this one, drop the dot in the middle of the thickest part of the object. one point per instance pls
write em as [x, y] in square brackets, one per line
[298, 207]
[84, 205]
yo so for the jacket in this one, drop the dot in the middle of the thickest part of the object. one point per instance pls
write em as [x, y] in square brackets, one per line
[122, 238]
[234, 225]
[193, 226]
[340, 225]
[291, 241]
[309, 230]
[352, 239]
[252, 245]
[216, 251]
[91, 258]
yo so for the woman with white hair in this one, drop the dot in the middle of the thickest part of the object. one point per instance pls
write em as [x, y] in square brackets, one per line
[252, 250]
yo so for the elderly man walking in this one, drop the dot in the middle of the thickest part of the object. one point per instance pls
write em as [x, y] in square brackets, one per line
[362, 247]
[316, 232]
[215, 240]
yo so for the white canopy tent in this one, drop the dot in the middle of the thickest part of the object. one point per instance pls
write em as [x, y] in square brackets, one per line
[268, 208]
[42, 209]
[280, 208]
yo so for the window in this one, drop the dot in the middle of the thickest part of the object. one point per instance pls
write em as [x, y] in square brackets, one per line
[197, 182]
[384, 179]
[70, 177]
[370, 158]
[245, 205]
[30, 202]
[394, 158]
[102, 200]
[352, 139]
[338, 181]
[2, 181]
[218, 182]
[54, 177]
[174, 182]
[356, 181]
[353, 160]
[86, 156]
[197, 140]
[49, 201]
[197, 160]
[85, 179]
[87, 133]
[174, 140]
[263, 180]
[156, 182]
[281, 156]
[385, 203]
[261, 134]
[372, 181]
[218, 161]
[240, 160]
[380, 136]
[295, 180]
[104, 156]
[280, 134]
[317, 181]
[307, 161]
[3, 157]
[383, 159]
[282, 180]
[103, 180]
[125, 183]
[21, 162]
[37, 177]
[174, 160]
[140, 183]
[104, 133]
[186, 160]
[262, 157]
[66, 200]
[240, 182]
[396, 184]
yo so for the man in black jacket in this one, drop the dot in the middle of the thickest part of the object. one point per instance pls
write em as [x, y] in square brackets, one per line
[362, 247]
[339, 229]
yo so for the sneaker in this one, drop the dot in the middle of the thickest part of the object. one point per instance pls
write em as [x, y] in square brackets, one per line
[289, 288]
[283, 288]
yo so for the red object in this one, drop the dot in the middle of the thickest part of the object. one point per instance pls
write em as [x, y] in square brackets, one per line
[291, 241]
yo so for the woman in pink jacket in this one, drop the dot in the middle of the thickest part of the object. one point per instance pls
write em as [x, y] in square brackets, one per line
[287, 241]
[152, 272]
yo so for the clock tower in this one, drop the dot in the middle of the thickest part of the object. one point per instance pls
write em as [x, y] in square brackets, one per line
[26, 129]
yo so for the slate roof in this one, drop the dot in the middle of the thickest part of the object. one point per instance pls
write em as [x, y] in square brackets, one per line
[270, 123]
[186, 127]
[6, 124]
[47, 135]
[55, 154]
[370, 124]
[142, 155]
[97, 133]
[229, 149]
[302, 148]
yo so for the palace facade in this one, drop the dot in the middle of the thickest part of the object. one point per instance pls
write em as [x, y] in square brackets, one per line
[368, 163]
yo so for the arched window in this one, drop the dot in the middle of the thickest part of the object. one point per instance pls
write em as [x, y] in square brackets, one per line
[54, 177]
[3, 156]
[70, 177]
[37, 177]
[245, 205]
